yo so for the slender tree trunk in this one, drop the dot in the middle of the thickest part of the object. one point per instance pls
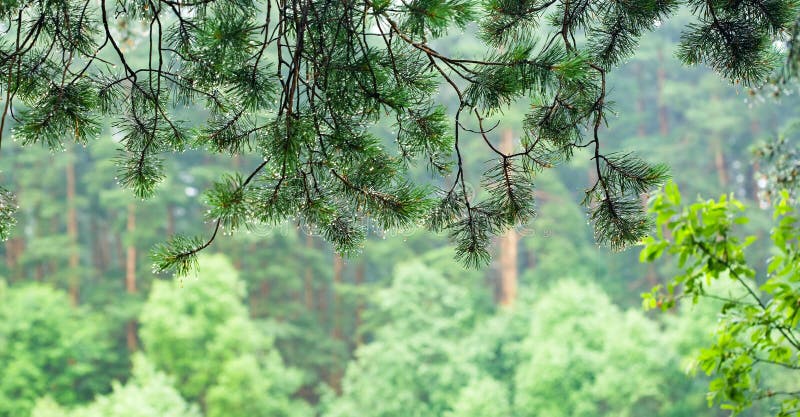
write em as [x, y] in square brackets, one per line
[508, 268]
[52, 266]
[170, 219]
[130, 274]
[719, 162]
[97, 246]
[323, 295]
[237, 263]
[531, 260]
[263, 295]
[652, 275]
[72, 231]
[308, 279]
[663, 112]
[335, 377]
[338, 267]
[105, 249]
[755, 132]
[14, 249]
[641, 127]
[508, 247]
[130, 252]
[10, 259]
[118, 248]
[359, 340]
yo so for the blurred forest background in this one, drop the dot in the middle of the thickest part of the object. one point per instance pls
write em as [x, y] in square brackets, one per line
[276, 324]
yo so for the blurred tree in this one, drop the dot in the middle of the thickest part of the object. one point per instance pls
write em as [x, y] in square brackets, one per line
[148, 393]
[589, 358]
[483, 397]
[414, 365]
[246, 388]
[49, 347]
[205, 317]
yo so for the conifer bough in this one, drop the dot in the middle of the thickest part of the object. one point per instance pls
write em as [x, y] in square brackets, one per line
[305, 83]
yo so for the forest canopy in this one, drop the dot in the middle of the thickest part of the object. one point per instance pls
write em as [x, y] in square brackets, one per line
[307, 85]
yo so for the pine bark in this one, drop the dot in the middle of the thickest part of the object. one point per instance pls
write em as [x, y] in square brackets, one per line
[15, 247]
[97, 246]
[719, 162]
[263, 294]
[170, 220]
[641, 127]
[663, 112]
[508, 247]
[130, 275]
[308, 279]
[335, 377]
[72, 231]
[338, 267]
[359, 281]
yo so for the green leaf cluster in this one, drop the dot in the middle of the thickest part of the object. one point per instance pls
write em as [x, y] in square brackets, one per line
[754, 355]
[307, 87]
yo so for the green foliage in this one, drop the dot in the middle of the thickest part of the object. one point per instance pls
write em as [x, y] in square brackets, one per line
[413, 366]
[619, 220]
[319, 317]
[247, 386]
[241, 373]
[741, 33]
[755, 341]
[589, 358]
[48, 347]
[482, 398]
[60, 110]
[570, 352]
[304, 87]
[148, 393]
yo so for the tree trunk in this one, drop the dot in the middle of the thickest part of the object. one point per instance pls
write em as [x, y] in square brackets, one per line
[11, 260]
[338, 267]
[170, 220]
[335, 376]
[308, 279]
[663, 112]
[508, 247]
[359, 305]
[322, 304]
[508, 268]
[14, 250]
[755, 132]
[719, 162]
[652, 275]
[97, 245]
[263, 295]
[105, 250]
[130, 274]
[72, 231]
[641, 127]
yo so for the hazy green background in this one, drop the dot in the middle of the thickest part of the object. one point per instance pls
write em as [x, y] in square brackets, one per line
[277, 325]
